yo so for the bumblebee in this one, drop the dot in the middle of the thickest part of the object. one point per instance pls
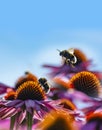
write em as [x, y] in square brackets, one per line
[44, 84]
[68, 56]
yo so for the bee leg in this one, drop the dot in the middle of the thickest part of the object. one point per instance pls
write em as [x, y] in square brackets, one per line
[67, 62]
[72, 66]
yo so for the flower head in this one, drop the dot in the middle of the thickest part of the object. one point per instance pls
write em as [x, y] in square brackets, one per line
[29, 101]
[27, 77]
[30, 90]
[57, 121]
[82, 64]
[86, 82]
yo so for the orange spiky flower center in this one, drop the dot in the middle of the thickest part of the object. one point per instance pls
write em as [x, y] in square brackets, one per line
[30, 90]
[28, 77]
[86, 82]
[10, 95]
[57, 121]
[67, 104]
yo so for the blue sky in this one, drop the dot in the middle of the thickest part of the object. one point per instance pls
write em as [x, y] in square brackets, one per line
[31, 31]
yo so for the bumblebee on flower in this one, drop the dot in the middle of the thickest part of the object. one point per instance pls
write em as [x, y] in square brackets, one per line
[29, 100]
[73, 61]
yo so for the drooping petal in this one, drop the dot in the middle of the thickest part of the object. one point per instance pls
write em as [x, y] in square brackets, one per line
[30, 103]
[21, 117]
[9, 113]
[13, 103]
[28, 106]
[19, 105]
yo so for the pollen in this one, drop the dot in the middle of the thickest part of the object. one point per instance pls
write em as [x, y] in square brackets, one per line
[81, 57]
[30, 90]
[67, 104]
[86, 82]
[57, 121]
[10, 95]
[27, 77]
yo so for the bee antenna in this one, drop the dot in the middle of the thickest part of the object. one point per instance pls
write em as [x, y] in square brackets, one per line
[58, 50]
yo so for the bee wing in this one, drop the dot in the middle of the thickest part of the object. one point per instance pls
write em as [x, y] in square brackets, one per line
[71, 51]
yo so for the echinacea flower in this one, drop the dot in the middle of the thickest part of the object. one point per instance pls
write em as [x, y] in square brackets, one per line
[56, 120]
[83, 102]
[82, 64]
[30, 100]
[94, 122]
[76, 88]
[68, 106]
[27, 77]
[86, 82]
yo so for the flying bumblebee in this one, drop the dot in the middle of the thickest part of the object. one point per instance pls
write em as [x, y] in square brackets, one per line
[68, 56]
[44, 84]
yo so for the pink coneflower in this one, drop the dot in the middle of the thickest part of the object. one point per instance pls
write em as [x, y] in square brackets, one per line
[29, 100]
[27, 77]
[86, 82]
[82, 64]
[85, 103]
[56, 120]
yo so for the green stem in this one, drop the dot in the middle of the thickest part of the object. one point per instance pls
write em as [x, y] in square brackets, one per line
[12, 122]
[29, 121]
[16, 122]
